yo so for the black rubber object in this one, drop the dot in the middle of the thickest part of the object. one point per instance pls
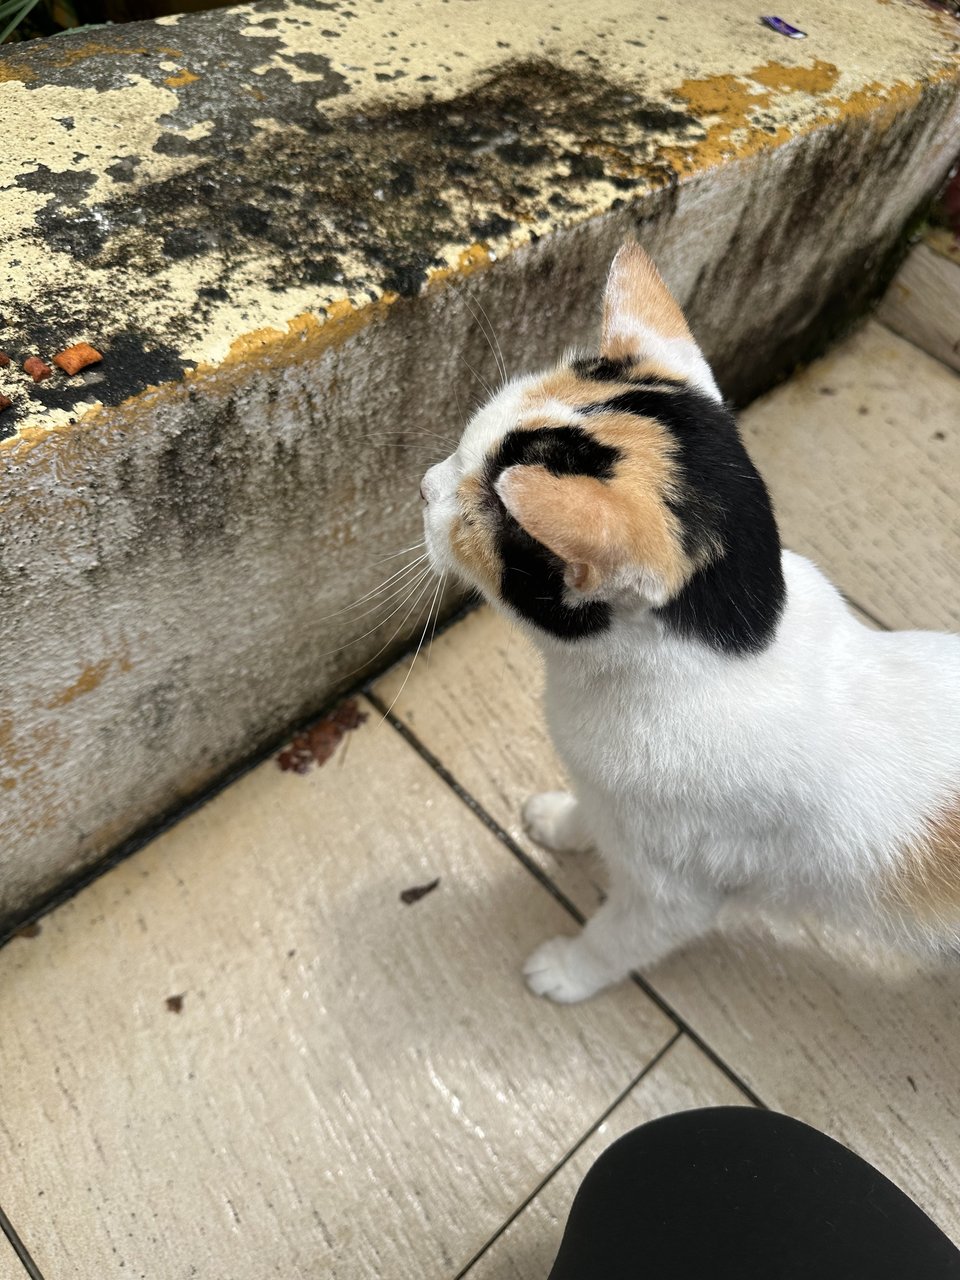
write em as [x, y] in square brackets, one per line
[737, 1193]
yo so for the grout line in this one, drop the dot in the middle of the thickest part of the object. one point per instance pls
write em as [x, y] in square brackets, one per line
[543, 879]
[667, 1008]
[584, 1137]
[19, 1248]
[475, 807]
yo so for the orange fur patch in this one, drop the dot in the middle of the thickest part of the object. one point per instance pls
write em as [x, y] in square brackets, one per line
[471, 537]
[927, 883]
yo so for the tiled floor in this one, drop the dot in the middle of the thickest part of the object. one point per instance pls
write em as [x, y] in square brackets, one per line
[353, 1087]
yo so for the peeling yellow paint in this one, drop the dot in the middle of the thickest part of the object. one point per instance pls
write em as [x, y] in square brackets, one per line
[306, 335]
[10, 71]
[89, 679]
[182, 78]
[733, 101]
[746, 101]
[816, 79]
[474, 258]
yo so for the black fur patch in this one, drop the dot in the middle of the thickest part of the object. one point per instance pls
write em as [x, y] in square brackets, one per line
[734, 602]
[600, 369]
[532, 583]
[531, 580]
[564, 451]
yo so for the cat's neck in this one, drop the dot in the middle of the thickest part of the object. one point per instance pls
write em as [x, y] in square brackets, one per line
[642, 646]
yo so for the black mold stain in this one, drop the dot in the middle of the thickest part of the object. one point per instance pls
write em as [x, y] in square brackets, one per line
[123, 169]
[68, 185]
[291, 206]
[390, 188]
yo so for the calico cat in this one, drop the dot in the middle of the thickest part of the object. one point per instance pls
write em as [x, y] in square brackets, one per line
[728, 726]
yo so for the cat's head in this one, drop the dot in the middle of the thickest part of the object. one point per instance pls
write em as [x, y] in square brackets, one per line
[613, 484]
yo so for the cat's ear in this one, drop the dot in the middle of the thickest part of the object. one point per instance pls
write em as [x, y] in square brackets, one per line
[643, 321]
[569, 515]
[579, 519]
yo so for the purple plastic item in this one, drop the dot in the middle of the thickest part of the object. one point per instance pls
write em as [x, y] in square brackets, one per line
[784, 28]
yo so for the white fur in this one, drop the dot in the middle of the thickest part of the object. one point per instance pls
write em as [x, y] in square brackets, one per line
[680, 355]
[790, 780]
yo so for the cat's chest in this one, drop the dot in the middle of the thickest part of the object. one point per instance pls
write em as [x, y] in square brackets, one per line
[613, 736]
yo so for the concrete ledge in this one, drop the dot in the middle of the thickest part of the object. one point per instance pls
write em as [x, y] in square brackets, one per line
[277, 221]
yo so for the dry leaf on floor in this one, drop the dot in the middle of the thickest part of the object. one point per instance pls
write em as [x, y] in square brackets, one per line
[318, 743]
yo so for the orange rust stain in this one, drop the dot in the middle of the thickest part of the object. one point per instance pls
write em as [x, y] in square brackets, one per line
[31, 756]
[305, 336]
[88, 680]
[182, 78]
[67, 53]
[729, 97]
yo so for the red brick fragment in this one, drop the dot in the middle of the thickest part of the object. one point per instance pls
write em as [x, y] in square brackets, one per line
[5, 403]
[37, 369]
[4, 360]
[79, 356]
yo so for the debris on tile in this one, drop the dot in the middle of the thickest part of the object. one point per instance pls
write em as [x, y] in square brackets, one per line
[175, 1003]
[37, 369]
[418, 891]
[4, 360]
[34, 928]
[79, 356]
[318, 743]
[5, 403]
[784, 28]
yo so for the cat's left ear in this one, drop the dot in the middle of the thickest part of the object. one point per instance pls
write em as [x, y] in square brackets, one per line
[643, 321]
[581, 520]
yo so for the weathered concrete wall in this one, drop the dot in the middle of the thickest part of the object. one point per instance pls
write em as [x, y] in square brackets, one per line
[299, 281]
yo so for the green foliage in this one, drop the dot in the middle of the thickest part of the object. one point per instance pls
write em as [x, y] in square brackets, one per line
[24, 19]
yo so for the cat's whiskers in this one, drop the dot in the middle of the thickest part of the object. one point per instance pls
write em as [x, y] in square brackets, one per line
[415, 607]
[411, 433]
[483, 382]
[422, 582]
[415, 546]
[443, 578]
[379, 604]
[493, 342]
[376, 590]
[435, 601]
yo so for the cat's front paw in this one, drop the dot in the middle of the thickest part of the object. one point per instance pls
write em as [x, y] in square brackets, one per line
[551, 818]
[562, 971]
